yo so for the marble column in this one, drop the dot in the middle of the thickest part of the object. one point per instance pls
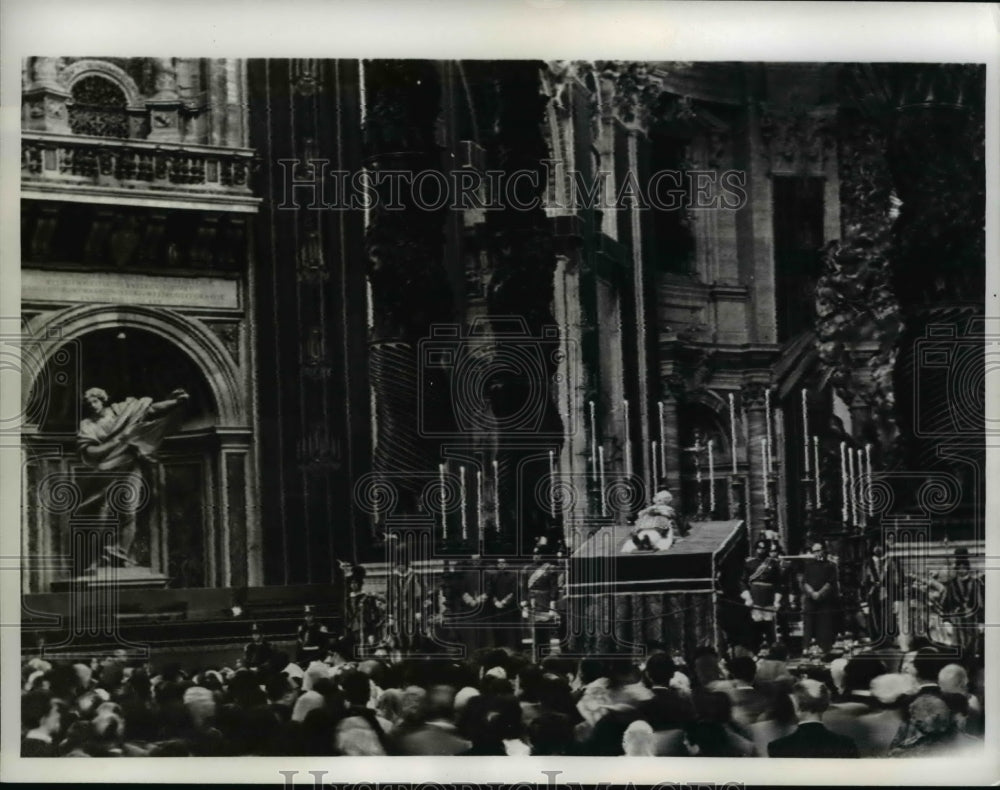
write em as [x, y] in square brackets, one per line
[673, 392]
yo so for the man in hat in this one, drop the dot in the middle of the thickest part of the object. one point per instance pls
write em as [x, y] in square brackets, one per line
[820, 600]
[761, 580]
[365, 611]
[257, 653]
[312, 639]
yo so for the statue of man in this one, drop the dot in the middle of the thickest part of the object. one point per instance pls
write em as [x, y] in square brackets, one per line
[118, 437]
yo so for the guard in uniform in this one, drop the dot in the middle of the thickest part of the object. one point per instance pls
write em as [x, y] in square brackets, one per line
[312, 638]
[762, 582]
[820, 600]
[405, 607]
[258, 651]
[365, 612]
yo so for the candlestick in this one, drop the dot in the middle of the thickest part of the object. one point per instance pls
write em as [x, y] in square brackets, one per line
[552, 483]
[816, 465]
[868, 479]
[479, 503]
[663, 441]
[843, 483]
[732, 429]
[444, 510]
[711, 478]
[656, 478]
[593, 440]
[852, 517]
[763, 455]
[496, 496]
[462, 500]
[628, 442]
[862, 493]
[604, 504]
[805, 426]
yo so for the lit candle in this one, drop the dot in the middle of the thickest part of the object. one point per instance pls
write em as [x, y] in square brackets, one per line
[604, 504]
[663, 441]
[711, 478]
[593, 440]
[843, 483]
[552, 483]
[732, 428]
[628, 442]
[868, 479]
[763, 458]
[444, 510]
[816, 466]
[805, 426]
[496, 496]
[462, 500]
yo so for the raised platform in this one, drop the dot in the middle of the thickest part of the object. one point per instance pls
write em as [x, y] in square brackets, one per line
[623, 602]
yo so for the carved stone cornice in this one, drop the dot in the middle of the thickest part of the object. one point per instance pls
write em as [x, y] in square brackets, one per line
[798, 140]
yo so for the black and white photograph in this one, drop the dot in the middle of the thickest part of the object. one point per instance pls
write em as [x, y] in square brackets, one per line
[380, 405]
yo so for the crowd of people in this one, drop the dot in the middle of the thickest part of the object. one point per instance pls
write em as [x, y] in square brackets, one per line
[499, 702]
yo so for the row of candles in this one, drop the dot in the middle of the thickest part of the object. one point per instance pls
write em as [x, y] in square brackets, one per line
[855, 467]
[463, 499]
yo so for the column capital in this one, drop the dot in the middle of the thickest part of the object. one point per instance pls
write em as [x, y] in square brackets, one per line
[754, 395]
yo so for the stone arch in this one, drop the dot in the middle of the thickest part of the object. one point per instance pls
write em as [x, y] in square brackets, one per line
[102, 68]
[188, 334]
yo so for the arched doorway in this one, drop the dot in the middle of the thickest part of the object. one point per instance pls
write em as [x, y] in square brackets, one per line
[192, 526]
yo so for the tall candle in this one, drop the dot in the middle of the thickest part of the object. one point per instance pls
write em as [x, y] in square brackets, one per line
[866, 496]
[479, 503]
[628, 441]
[604, 504]
[868, 478]
[496, 496]
[852, 515]
[763, 458]
[462, 500]
[663, 441]
[805, 426]
[732, 428]
[843, 482]
[552, 483]
[816, 466]
[656, 478]
[593, 440]
[711, 478]
[444, 509]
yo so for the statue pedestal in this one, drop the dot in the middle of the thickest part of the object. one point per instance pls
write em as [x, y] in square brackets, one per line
[133, 577]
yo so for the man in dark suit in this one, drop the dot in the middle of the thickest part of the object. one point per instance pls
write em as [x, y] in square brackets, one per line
[820, 600]
[811, 739]
[502, 600]
[667, 709]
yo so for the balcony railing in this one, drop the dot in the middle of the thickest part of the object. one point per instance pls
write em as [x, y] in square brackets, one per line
[99, 169]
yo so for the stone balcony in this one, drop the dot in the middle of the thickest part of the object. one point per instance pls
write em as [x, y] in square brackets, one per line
[76, 168]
